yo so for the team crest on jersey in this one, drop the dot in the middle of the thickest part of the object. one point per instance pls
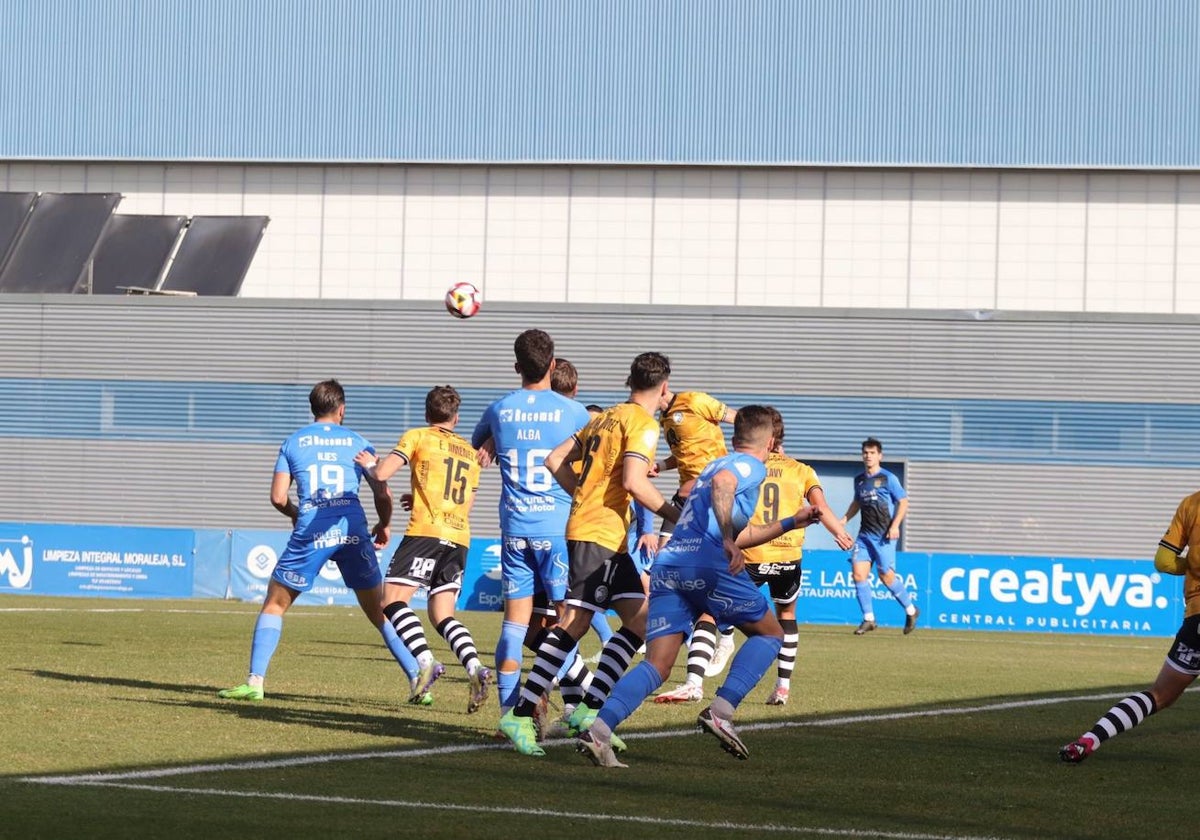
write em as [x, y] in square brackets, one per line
[879, 482]
[677, 416]
[506, 415]
[601, 593]
[743, 469]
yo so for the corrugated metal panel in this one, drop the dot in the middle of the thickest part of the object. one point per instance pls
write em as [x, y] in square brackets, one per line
[1071, 511]
[170, 411]
[1089, 83]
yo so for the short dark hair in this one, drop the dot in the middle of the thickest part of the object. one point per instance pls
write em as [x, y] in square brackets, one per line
[564, 379]
[872, 443]
[534, 350]
[753, 424]
[441, 404]
[648, 371]
[594, 409]
[326, 397]
[777, 424]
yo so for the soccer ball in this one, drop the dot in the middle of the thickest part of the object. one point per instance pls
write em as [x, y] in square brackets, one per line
[463, 300]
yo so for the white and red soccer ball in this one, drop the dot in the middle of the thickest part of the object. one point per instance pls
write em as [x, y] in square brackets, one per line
[463, 300]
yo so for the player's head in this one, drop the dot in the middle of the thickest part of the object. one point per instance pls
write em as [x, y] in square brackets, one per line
[872, 452]
[776, 428]
[535, 355]
[564, 379]
[328, 399]
[593, 409]
[649, 372]
[754, 428]
[441, 405]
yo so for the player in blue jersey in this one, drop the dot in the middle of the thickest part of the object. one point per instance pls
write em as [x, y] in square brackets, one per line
[701, 570]
[883, 503]
[329, 523]
[524, 426]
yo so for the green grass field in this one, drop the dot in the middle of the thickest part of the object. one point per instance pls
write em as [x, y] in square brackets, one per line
[934, 735]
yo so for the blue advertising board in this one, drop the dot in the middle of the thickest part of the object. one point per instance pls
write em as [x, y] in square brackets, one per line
[997, 592]
[98, 560]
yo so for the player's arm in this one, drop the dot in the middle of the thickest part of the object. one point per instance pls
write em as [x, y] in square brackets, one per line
[559, 461]
[753, 535]
[381, 494]
[730, 415]
[816, 498]
[671, 463]
[851, 511]
[635, 478]
[724, 486]
[897, 518]
[380, 469]
[1168, 560]
[283, 503]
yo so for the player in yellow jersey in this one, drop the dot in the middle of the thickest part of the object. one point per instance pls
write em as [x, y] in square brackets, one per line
[433, 552]
[691, 422]
[616, 449]
[1182, 665]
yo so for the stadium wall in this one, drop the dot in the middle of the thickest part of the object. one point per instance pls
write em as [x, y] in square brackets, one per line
[738, 236]
[1018, 433]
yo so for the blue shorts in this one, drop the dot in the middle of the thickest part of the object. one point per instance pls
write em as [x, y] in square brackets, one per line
[534, 564]
[679, 594]
[878, 550]
[346, 541]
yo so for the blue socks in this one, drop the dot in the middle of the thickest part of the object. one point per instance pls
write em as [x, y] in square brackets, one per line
[509, 646]
[601, 626]
[863, 589]
[897, 588]
[752, 660]
[267, 631]
[400, 651]
[638, 683]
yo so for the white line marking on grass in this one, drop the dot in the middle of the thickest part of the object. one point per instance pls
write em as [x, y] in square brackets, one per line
[300, 761]
[544, 812]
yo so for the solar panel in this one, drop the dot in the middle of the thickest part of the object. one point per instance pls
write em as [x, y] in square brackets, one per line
[59, 238]
[215, 255]
[14, 211]
[133, 252]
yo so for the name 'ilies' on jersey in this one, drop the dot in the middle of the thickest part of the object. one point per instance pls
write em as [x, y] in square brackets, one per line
[525, 425]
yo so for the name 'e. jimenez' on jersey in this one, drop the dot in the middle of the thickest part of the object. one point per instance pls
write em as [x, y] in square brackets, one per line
[877, 496]
[320, 459]
[600, 510]
[691, 424]
[697, 534]
[783, 491]
[525, 426]
[445, 476]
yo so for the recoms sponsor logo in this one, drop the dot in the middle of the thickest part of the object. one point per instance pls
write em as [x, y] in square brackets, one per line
[1081, 591]
[261, 560]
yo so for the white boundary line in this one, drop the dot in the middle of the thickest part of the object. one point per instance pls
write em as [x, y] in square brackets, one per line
[127, 780]
[544, 812]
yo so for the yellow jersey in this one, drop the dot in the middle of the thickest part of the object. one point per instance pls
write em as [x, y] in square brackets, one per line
[445, 476]
[782, 493]
[1184, 532]
[692, 426]
[600, 507]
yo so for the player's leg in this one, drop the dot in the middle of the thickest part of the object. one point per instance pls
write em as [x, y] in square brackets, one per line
[722, 652]
[861, 558]
[757, 653]
[1179, 671]
[361, 573]
[412, 567]
[268, 627]
[445, 584]
[627, 598]
[371, 602]
[886, 566]
[784, 586]
[701, 646]
[517, 582]
[672, 615]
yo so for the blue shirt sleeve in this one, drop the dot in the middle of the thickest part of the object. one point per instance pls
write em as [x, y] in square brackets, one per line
[282, 465]
[896, 488]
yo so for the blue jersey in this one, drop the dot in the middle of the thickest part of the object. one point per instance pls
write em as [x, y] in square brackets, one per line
[320, 458]
[525, 426]
[697, 533]
[877, 496]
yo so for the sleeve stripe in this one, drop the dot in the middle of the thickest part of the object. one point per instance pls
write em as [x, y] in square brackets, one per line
[1170, 547]
[400, 454]
[629, 454]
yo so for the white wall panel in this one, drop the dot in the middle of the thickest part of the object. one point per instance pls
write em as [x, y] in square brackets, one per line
[1041, 259]
[866, 239]
[612, 235]
[695, 237]
[781, 224]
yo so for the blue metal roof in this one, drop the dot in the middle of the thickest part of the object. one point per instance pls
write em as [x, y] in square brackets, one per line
[1011, 83]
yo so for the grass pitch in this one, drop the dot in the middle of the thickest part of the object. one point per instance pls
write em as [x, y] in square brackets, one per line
[113, 727]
